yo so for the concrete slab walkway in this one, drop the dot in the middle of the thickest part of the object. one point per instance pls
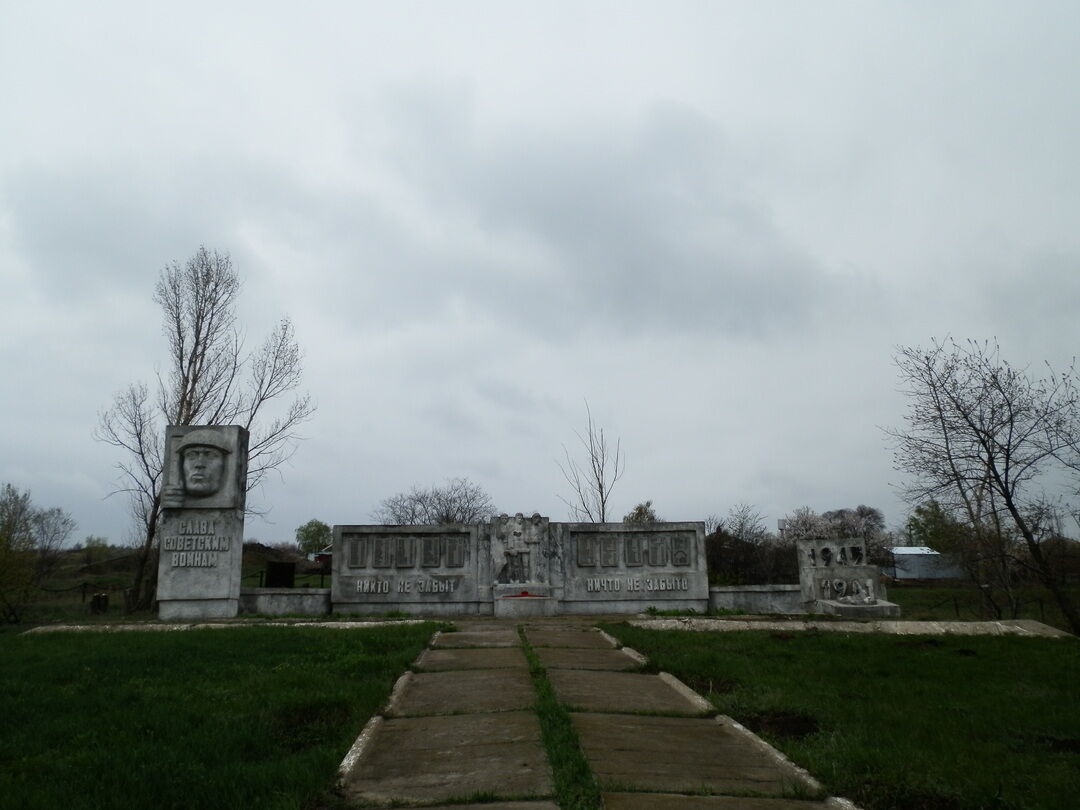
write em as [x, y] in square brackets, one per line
[462, 728]
[651, 734]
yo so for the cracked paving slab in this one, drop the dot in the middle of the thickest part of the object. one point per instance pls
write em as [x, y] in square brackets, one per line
[471, 658]
[433, 759]
[462, 691]
[582, 638]
[624, 692]
[477, 638]
[563, 658]
[682, 754]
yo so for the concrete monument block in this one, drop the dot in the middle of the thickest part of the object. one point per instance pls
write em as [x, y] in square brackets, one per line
[431, 570]
[626, 568]
[519, 567]
[522, 550]
[202, 521]
[836, 577]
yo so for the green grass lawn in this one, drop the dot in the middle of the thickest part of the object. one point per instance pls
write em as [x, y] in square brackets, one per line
[575, 786]
[898, 723]
[255, 717]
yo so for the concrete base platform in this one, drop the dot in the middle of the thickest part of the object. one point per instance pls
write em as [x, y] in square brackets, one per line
[879, 610]
[480, 690]
[682, 754]
[676, 801]
[170, 610]
[433, 759]
[525, 607]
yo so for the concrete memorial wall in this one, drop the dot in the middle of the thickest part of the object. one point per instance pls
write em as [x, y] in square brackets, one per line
[519, 566]
[202, 522]
[620, 568]
[414, 569]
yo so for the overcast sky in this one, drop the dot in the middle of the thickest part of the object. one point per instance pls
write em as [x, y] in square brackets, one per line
[712, 221]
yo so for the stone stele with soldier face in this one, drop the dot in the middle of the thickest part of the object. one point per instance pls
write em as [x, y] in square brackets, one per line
[202, 521]
[201, 469]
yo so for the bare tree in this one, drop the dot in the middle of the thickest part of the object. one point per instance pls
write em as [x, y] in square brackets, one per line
[210, 380]
[803, 523]
[713, 523]
[52, 528]
[591, 482]
[746, 523]
[985, 438]
[458, 501]
[30, 540]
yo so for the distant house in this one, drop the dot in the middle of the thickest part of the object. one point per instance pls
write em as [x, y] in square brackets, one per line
[920, 562]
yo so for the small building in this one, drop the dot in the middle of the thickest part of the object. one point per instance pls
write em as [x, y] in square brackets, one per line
[921, 562]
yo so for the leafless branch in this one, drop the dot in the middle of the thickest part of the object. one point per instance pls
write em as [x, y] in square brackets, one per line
[591, 482]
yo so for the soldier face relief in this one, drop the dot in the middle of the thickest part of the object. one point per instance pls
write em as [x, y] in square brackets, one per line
[203, 468]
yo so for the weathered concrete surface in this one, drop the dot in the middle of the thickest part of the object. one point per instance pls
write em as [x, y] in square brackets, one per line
[154, 627]
[478, 638]
[621, 692]
[681, 754]
[525, 607]
[757, 598]
[881, 609]
[675, 801]
[564, 658]
[285, 601]
[430, 759]
[1012, 627]
[465, 691]
[471, 658]
[578, 638]
[467, 625]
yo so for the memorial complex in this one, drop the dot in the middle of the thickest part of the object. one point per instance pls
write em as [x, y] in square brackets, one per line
[508, 566]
